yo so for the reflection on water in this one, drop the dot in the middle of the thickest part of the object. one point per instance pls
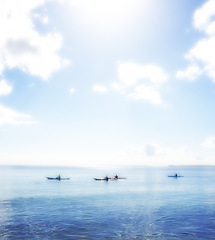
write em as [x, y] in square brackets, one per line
[147, 205]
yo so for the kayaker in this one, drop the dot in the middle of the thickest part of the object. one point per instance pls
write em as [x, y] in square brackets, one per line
[116, 176]
[106, 178]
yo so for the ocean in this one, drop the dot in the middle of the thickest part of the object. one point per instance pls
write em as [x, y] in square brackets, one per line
[146, 205]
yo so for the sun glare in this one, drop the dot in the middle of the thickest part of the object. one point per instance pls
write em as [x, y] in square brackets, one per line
[107, 13]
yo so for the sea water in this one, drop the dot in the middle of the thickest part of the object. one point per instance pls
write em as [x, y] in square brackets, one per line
[146, 205]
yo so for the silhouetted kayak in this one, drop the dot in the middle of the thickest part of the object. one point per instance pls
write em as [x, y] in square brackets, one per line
[175, 176]
[57, 178]
[101, 179]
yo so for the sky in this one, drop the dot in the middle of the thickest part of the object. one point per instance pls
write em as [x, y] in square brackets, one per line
[107, 82]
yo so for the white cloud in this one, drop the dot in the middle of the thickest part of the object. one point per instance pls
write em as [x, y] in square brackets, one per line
[209, 142]
[41, 17]
[22, 46]
[152, 149]
[72, 90]
[118, 87]
[203, 17]
[202, 52]
[140, 82]
[148, 149]
[130, 73]
[10, 117]
[5, 88]
[99, 89]
[155, 154]
[45, 19]
[191, 73]
[146, 153]
[147, 93]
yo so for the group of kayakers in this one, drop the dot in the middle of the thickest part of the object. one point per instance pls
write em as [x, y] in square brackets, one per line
[105, 178]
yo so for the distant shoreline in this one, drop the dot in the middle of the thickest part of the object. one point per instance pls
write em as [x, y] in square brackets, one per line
[107, 166]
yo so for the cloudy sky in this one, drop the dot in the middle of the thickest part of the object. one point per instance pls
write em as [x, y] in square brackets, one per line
[102, 82]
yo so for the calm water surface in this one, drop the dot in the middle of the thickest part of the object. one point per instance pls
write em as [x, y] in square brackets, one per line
[147, 205]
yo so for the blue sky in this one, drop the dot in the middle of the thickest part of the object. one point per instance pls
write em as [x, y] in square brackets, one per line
[124, 82]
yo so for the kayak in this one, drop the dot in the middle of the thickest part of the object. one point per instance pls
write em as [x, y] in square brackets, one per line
[57, 178]
[175, 176]
[107, 179]
[101, 179]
